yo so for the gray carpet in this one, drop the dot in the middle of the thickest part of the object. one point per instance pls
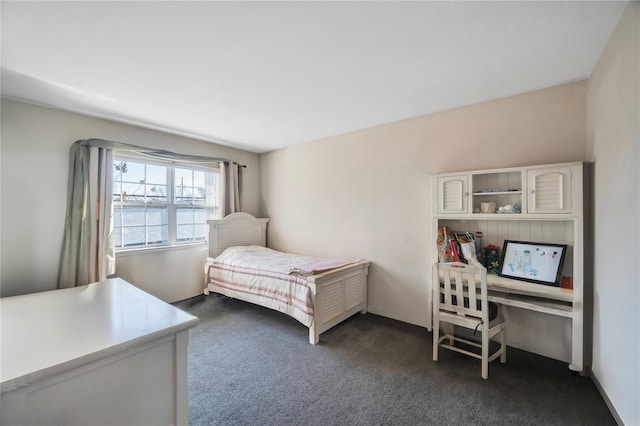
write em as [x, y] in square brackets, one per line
[249, 365]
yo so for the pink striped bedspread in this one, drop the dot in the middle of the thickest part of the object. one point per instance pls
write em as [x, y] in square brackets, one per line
[270, 278]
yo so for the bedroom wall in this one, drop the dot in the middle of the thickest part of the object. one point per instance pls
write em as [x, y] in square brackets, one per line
[613, 144]
[367, 194]
[34, 169]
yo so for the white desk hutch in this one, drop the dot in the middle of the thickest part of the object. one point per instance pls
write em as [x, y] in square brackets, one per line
[542, 319]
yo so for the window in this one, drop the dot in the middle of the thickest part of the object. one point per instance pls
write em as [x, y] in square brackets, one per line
[161, 204]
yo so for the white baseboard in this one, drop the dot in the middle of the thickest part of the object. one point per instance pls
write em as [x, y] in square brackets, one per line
[607, 401]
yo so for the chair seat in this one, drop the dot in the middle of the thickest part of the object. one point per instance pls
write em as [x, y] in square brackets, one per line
[494, 308]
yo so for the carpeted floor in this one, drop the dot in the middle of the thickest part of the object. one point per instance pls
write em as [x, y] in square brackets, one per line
[249, 365]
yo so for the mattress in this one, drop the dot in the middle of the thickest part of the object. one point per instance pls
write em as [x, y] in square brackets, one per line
[270, 278]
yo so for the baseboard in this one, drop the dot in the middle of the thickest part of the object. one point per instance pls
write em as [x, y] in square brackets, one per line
[606, 399]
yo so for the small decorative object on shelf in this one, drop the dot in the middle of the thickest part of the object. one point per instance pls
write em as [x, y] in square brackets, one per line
[492, 258]
[566, 283]
[509, 208]
[445, 254]
[488, 207]
[479, 252]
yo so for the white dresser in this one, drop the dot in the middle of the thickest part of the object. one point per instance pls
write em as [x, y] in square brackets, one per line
[104, 353]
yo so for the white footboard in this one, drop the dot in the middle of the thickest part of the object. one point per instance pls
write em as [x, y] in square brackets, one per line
[336, 295]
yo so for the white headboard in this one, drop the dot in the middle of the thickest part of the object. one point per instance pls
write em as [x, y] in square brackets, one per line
[237, 229]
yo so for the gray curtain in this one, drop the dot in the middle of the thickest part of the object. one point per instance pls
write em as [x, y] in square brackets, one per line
[87, 250]
[230, 188]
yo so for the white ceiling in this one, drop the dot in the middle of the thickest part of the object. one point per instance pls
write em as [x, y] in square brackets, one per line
[264, 75]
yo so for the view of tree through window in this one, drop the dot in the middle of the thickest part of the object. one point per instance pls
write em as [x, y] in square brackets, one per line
[159, 204]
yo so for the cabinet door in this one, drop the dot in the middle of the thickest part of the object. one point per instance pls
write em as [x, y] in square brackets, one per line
[452, 194]
[549, 190]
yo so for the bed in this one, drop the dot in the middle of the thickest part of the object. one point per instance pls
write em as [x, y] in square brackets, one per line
[318, 292]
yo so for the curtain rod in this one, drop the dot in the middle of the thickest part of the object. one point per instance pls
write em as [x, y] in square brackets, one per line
[157, 153]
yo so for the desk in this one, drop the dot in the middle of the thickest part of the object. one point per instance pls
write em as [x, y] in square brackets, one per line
[535, 297]
[104, 353]
[547, 300]
[544, 299]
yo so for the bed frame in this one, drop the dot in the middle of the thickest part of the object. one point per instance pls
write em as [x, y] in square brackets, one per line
[336, 294]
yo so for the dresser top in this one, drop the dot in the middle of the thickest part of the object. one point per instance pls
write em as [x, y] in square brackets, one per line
[54, 331]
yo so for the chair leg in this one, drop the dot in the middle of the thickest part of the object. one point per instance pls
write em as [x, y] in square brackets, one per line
[436, 337]
[485, 354]
[449, 330]
[503, 345]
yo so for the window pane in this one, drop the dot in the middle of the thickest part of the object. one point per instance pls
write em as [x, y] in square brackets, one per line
[120, 167]
[198, 178]
[133, 216]
[157, 234]
[133, 236]
[184, 186]
[134, 173]
[184, 232]
[199, 195]
[199, 216]
[200, 231]
[117, 236]
[117, 216]
[156, 174]
[184, 216]
[184, 194]
[117, 191]
[156, 193]
[156, 216]
[133, 192]
[184, 177]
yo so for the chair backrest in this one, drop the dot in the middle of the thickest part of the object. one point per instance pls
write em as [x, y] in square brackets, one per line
[462, 290]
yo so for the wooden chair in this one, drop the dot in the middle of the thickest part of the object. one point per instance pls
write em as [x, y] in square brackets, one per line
[460, 299]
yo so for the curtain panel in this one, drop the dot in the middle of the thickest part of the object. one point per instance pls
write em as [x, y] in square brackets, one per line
[230, 188]
[87, 250]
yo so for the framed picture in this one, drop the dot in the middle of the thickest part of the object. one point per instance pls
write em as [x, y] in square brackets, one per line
[539, 263]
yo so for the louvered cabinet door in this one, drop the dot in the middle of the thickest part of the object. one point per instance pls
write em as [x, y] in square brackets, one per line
[452, 194]
[549, 190]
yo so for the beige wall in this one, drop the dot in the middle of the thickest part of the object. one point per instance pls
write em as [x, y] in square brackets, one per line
[368, 194]
[613, 144]
[34, 160]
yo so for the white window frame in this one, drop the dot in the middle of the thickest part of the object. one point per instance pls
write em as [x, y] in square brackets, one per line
[171, 205]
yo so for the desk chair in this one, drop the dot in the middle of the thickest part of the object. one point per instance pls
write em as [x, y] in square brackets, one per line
[460, 299]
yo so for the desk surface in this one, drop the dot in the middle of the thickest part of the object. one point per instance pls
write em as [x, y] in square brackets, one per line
[508, 285]
[46, 333]
[497, 283]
